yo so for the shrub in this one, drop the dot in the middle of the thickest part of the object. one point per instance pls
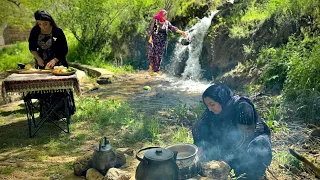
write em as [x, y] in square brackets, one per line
[17, 53]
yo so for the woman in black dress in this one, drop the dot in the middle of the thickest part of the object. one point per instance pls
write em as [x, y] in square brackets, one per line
[49, 47]
[47, 42]
[231, 130]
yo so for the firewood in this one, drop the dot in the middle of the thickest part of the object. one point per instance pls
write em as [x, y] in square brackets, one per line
[305, 161]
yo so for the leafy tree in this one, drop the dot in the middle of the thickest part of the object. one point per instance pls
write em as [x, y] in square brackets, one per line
[19, 12]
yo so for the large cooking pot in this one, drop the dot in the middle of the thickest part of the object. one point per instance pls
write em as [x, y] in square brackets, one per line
[103, 157]
[187, 159]
[157, 164]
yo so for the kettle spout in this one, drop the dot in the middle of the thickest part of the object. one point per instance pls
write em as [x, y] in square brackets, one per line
[175, 155]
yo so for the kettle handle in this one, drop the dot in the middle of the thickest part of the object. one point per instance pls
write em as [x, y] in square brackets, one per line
[143, 160]
[105, 142]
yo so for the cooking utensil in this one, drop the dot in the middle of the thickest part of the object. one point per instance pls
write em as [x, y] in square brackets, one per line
[187, 159]
[157, 164]
[103, 157]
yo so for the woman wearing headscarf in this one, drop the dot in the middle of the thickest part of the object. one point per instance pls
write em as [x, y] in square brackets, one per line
[231, 130]
[158, 38]
[47, 42]
[49, 47]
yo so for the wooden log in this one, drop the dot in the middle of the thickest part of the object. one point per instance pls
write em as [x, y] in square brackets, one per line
[305, 161]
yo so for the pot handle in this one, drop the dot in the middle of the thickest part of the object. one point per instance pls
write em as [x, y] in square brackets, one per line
[143, 160]
[105, 142]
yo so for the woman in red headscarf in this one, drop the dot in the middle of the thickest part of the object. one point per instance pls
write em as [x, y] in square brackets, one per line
[157, 39]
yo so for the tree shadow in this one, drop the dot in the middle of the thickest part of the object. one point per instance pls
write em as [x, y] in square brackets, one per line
[16, 135]
[7, 113]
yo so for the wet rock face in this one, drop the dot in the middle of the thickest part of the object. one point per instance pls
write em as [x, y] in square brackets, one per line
[222, 53]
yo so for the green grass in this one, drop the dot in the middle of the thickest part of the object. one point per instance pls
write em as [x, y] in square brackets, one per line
[182, 135]
[284, 157]
[17, 53]
[6, 170]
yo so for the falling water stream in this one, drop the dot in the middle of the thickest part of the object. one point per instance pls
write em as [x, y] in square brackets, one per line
[196, 34]
[167, 90]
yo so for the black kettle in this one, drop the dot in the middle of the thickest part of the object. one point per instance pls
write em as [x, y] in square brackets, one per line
[157, 164]
[103, 157]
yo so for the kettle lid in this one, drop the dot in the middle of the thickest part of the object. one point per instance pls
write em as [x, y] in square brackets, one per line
[159, 154]
[104, 145]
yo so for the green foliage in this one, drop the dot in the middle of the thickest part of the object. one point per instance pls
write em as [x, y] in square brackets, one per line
[19, 13]
[273, 120]
[6, 170]
[285, 158]
[294, 68]
[110, 112]
[182, 135]
[17, 53]
[151, 128]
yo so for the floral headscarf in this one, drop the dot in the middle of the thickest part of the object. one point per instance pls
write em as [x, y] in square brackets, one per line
[160, 14]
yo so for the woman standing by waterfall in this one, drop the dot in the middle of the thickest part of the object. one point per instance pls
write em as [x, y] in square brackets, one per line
[231, 130]
[158, 38]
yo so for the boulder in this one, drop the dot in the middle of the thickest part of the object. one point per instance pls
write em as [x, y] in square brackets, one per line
[81, 165]
[315, 132]
[121, 159]
[117, 174]
[127, 151]
[216, 170]
[93, 174]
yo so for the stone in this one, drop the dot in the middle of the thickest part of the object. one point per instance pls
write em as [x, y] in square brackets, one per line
[104, 80]
[127, 151]
[93, 174]
[217, 170]
[81, 165]
[121, 159]
[315, 133]
[117, 174]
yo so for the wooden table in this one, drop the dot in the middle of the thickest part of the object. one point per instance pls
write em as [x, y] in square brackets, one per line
[51, 92]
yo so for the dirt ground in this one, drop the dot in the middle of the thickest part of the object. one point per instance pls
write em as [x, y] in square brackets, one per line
[37, 158]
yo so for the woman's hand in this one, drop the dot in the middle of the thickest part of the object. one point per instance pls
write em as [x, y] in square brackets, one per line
[52, 63]
[40, 62]
[184, 34]
[151, 41]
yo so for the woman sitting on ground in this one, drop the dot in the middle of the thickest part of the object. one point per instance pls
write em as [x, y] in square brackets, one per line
[231, 130]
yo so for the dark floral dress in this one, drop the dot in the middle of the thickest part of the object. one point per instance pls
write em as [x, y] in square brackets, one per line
[45, 49]
[159, 36]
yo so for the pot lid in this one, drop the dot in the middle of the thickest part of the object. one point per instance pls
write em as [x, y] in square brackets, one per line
[106, 147]
[158, 154]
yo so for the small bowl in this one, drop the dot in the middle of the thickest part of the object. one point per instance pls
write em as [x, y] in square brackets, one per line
[187, 159]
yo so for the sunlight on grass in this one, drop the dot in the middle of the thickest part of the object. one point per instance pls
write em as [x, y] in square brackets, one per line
[284, 157]
[17, 53]
[182, 135]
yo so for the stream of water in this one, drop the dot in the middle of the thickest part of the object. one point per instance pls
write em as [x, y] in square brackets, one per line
[167, 90]
[196, 34]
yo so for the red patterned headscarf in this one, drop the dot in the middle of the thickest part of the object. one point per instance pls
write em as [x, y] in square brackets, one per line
[160, 14]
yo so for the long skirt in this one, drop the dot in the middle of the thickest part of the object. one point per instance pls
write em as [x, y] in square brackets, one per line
[155, 52]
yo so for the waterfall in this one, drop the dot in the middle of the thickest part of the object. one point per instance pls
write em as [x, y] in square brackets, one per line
[192, 69]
